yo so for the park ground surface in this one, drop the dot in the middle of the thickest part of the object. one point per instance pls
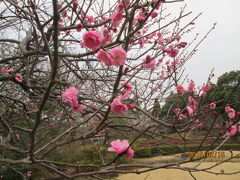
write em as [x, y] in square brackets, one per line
[172, 174]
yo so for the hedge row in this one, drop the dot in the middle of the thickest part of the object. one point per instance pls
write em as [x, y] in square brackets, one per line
[169, 150]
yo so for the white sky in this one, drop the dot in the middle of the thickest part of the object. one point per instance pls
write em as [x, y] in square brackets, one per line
[221, 49]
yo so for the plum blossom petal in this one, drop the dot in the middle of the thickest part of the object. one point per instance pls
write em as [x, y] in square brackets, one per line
[231, 112]
[149, 63]
[70, 96]
[93, 40]
[118, 107]
[119, 56]
[105, 57]
[191, 87]
[18, 78]
[212, 105]
[120, 146]
[232, 131]
[190, 110]
[206, 88]
[172, 52]
[116, 18]
[6, 71]
[180, 89]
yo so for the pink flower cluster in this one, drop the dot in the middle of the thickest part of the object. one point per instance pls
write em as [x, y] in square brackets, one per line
[190, 110]
[107, 36]
[117, 56]
[93, 40]
[121, 146]
[171, 52]
[212, 105]
[70, 96]
[118, 16]
[231, 112]
[6, 71]
[149, 63]
[192, 107]
[18, 78]
[117, 106]
[181, 45]
[180, 89]
[232, 130]
[191, 88]
[206, 88]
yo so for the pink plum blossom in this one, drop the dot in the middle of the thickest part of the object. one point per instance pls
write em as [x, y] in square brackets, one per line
[91, 19]
[75, 3]
[196, 121]
[70, 95]
[18, 78]
[200, 125]
[17, 136]
[119, 56]
[116, 18]
[131, 106]
[190, 110]
[29, 173]
[154, 14]
[149, 63]
[178, 38]
[227, 107]
[140, 18]
[191, 100]
[232, 131]
[181, 116]
[127, 85]
[128, 90]
[105, 57]
[180, 89]
[191, 87]
[172, 52]
[93, 40]
[107, 38]
[177, 111]
[231, 112]
[79, 27]
[212, 105]
[181, 45]
[125, 94]
[120, 146]
[77, 107]
[206, 88]
[6, 71]
[118, 107]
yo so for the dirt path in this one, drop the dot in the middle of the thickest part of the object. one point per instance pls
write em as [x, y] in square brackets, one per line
[175, 174]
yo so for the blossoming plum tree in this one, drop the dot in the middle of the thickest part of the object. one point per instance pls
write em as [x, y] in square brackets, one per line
[76, 71]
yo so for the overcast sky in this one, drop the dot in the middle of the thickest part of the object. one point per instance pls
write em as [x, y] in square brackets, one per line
[221, 49]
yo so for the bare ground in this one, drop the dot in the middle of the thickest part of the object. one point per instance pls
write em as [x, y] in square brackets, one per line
[172, 174]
